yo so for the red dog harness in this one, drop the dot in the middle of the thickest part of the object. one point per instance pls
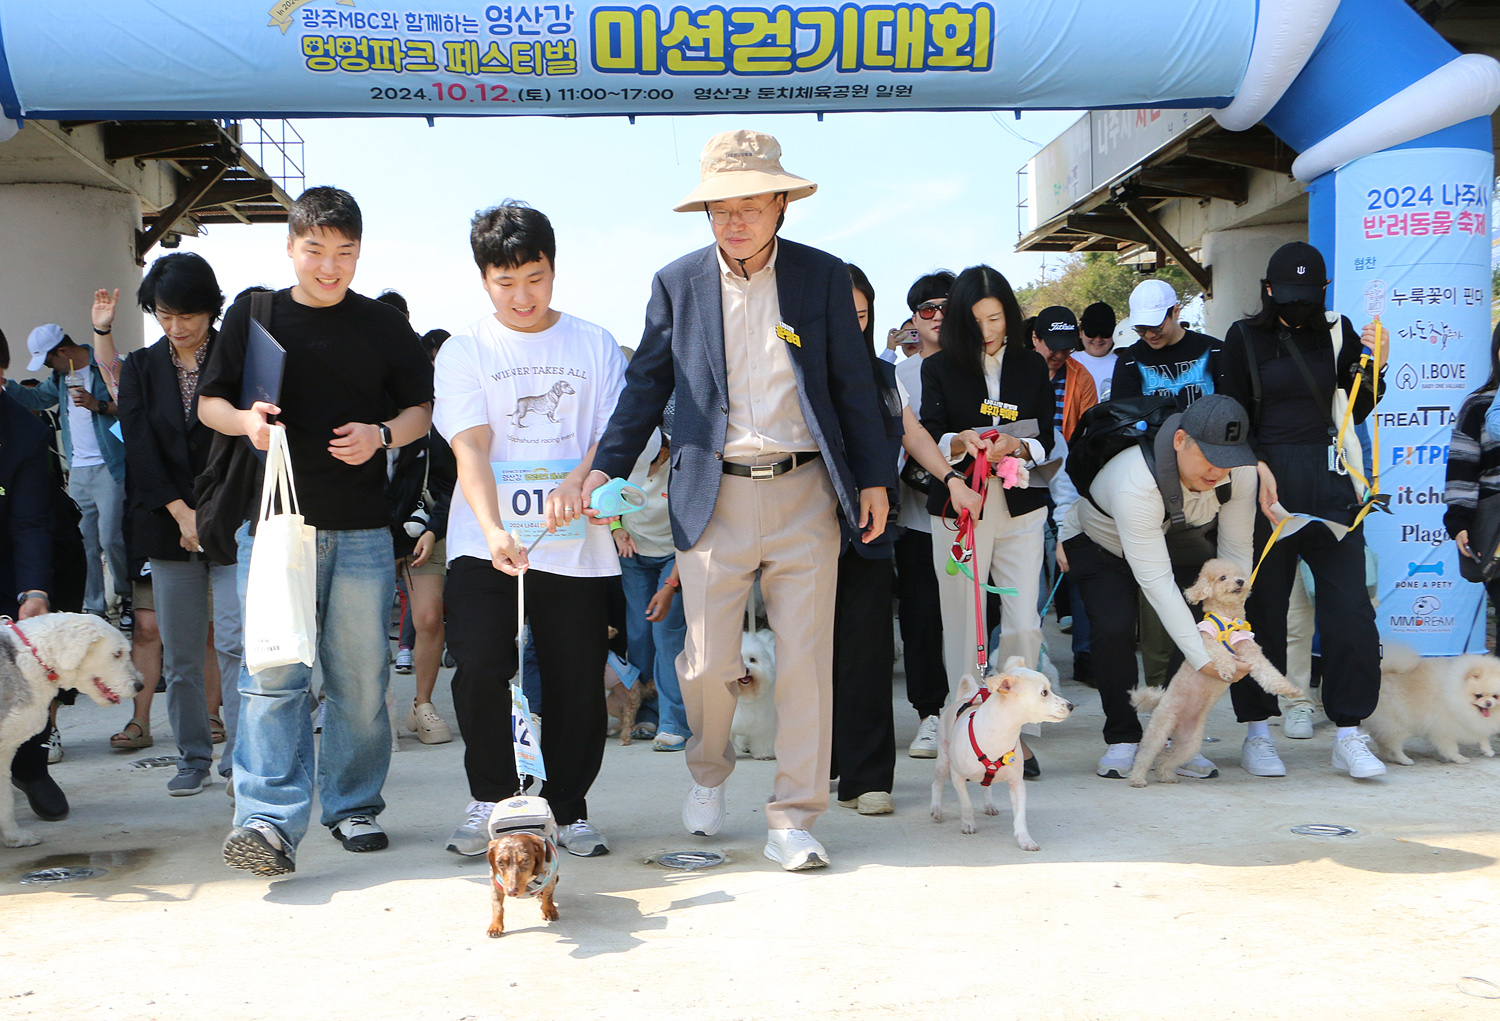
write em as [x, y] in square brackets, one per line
[51, 673]
[991, 766]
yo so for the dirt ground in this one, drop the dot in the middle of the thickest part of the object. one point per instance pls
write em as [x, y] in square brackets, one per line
[1192, 901]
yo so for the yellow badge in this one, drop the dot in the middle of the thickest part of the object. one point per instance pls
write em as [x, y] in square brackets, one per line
[786, 333]
[999, 409]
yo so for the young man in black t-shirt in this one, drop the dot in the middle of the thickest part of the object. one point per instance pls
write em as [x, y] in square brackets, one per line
[1169, 359]
[356, 383]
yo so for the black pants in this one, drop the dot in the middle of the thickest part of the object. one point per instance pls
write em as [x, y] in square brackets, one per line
[864, 645]
[921, 624]
[1109, 597]
[1348, 641]
[569, 621]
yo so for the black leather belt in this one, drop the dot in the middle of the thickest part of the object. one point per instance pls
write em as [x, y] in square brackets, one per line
[775, 468]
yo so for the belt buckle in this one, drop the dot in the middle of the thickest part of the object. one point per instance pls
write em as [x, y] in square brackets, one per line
[761, 472]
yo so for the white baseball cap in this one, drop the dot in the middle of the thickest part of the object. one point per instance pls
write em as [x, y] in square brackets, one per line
[1150, 302]
[41, 342]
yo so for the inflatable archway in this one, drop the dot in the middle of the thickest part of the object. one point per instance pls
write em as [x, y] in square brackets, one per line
[1391, 122]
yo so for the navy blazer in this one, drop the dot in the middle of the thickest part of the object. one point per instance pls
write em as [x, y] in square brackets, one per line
[682, 351]
[26, 518]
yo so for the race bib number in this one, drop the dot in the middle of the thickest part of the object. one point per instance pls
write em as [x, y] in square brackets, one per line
[523, 488]
[528, 749]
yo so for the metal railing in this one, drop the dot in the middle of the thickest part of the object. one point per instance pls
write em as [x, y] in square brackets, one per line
[276, 147]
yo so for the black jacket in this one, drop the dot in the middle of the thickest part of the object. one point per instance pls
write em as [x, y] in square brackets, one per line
[26, 493]
[405, 488]
[951, 399]
[164, 450]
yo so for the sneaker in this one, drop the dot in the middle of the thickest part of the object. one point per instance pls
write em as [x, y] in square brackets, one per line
[1298, 724]
[403, 661]
[448, 660]
[1117, 760]
[360, 833]
[318, 718]
[229, 784]
[795, 850]
[582, 839]
[54, 746]
[188, 781]
[871, 803]
[473, 834]
[1199, 768]
[666, 742]
[1352, 754]
[424, 721]
[924, 745]
[1258, 757]
[127, 616]
[260, 848]
[703, 810]
[643, 732]
[1065, 625]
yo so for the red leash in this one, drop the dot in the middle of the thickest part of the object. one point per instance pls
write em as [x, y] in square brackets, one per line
[963, 548]
[51, 673]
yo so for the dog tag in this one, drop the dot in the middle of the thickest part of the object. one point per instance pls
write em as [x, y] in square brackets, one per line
[528, 751]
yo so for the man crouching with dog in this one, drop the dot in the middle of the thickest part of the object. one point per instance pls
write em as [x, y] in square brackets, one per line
[777, 430]
[1148, 525]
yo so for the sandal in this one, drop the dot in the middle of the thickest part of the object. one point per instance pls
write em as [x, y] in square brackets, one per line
[216, 728]
[126, 741]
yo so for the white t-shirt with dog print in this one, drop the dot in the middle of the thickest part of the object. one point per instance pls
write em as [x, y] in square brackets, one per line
[546, 397]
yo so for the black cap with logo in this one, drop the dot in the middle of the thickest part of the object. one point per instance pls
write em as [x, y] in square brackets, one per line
[1058, 328]
[1296, 273]
[1220, 427]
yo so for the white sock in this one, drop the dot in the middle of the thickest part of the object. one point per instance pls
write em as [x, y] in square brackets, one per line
[1344, 732]
[1259, 728]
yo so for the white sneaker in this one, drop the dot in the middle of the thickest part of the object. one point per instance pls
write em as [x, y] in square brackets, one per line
[924, 746]
[582, 839]
[1258, 757]
[429, 727]
[1117, 761]
[54, 746]
[1199, 768]
[795, 850]
[1352, 754]
[473, 834]
[703, 810]
[1298, 722]
[403, 661]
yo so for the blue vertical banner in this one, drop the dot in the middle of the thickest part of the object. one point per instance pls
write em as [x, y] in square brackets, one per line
[1413, 247]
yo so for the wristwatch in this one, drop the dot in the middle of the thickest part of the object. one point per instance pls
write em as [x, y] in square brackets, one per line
[32, 594]
[385, 435]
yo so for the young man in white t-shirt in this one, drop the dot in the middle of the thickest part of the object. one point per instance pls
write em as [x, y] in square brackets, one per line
[525, 394]
[1097, 327]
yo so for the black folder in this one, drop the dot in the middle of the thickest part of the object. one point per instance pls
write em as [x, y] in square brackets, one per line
[265, 361]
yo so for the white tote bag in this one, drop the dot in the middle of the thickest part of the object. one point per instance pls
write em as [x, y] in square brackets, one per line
[281, 622]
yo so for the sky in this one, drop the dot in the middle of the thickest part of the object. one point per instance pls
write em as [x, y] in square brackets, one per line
[899, 194]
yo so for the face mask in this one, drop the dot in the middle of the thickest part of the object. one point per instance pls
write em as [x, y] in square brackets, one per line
[1302, 314]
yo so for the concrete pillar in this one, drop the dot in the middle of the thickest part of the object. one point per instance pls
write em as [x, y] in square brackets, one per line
[61, 242]
[1239, 258]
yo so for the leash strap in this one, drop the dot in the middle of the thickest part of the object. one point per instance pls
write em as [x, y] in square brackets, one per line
[52, 674]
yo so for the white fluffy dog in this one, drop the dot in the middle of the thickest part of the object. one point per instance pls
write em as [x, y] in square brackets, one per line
[754, 728]
[1447, 700]
[972, 725]
[39, 656]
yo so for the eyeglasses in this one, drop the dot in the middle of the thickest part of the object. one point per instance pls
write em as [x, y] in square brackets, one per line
[749, 214]
[1160, 328]
[930, 310]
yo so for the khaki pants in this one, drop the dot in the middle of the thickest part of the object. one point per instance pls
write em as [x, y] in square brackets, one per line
[787, 528]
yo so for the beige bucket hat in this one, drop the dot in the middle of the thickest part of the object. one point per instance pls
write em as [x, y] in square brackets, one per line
[735, 164]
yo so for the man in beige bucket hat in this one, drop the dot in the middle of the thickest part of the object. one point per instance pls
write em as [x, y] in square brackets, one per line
[777, 432]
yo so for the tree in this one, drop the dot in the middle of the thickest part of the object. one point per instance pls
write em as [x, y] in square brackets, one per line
[1081, 280]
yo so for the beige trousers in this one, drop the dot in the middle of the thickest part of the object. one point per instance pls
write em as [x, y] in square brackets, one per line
[787, 528]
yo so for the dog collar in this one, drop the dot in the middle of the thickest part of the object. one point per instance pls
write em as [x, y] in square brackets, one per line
[52, 674]
[991, 766]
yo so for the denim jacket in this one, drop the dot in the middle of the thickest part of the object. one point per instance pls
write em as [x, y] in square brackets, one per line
[53, 392]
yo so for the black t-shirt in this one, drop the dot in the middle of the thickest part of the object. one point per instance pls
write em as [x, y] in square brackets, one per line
[357, 361]
[1187, 370]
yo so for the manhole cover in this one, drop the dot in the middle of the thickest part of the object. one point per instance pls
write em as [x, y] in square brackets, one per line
[42, 877]
[157, 762]
[1323, 829]
[689, 860]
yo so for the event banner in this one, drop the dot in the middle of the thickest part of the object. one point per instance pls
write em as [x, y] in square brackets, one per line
[184, 58]
[1414, 248]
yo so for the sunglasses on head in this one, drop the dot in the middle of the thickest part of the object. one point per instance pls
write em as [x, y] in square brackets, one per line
[928, 310]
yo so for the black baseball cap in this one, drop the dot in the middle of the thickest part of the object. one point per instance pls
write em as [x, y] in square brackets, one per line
[1098, 320]
[1058, 328]
[1296, 273]
[1220, 427]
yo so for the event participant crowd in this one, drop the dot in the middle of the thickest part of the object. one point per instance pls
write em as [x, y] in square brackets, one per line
[791, 467]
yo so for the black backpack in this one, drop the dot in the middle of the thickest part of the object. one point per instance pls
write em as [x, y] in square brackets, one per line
[1109, 429]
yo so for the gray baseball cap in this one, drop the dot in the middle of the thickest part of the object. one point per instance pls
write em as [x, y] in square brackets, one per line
[1220, 427]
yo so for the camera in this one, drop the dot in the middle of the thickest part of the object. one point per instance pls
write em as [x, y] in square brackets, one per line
[415, 525]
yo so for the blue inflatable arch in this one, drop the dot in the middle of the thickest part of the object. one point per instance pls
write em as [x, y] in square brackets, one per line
[1392, 124]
